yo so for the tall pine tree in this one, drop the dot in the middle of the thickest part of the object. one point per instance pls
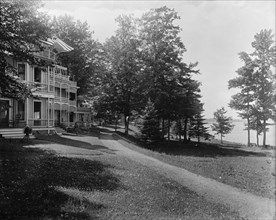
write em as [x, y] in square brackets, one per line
[223, 123]
[150, 126]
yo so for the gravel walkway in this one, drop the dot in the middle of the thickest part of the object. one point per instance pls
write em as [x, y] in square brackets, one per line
[247, 205]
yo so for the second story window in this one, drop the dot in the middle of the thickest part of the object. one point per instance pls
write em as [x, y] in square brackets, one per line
[37, 74]
[21, 68]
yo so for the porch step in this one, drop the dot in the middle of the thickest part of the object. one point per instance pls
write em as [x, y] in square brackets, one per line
[13, 133]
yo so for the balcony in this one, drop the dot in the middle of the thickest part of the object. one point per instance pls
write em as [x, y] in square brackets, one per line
[61, 99]
[46, 54]
[61, 75]
[41, 89]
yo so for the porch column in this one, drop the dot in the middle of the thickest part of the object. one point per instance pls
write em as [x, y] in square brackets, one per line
[27, 110]
[60, 99]
[68, 98]
[48, 113]
[53, 111]
[48, 79]
[68, 118]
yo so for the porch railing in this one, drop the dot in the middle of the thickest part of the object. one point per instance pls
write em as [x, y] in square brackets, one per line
[16, 124]
[41, 123]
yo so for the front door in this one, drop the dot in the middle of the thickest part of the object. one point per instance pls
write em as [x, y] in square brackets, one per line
[4, 113]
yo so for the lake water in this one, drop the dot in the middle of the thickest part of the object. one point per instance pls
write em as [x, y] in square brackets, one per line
[239, 135]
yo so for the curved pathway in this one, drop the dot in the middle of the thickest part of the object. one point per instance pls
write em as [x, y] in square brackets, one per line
[246, 204]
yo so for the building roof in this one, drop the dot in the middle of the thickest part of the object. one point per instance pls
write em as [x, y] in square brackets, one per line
[59, 45]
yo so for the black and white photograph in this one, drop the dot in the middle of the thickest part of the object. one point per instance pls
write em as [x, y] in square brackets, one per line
[137, 110]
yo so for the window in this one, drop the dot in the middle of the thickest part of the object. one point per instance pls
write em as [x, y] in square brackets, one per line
[21, 71]
[37, 74]
[21, 110]
[71, 116]
[72, 96]
[37, 110]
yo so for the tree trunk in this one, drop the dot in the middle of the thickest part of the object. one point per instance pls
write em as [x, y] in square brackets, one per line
[179, 129]
[264, 132]
[248, 132]
[126, 124]
[185, 129]
[169, 126]
[163, 127]
[198, 139]
[257, 138]
[221, 138]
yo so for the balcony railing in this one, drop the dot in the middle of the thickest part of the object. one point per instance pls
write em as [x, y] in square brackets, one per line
[73, 102]
[61, 99]
[38, 87]
[62, 79]
[46, 54]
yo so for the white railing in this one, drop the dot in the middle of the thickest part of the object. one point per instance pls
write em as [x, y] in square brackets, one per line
[41, 122]
[46, 54]
[73, 102]
[38, 87]
[61, 99]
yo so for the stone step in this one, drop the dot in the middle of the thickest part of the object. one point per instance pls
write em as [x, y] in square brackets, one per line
[11, 136]
[13, 133]
[11, 130]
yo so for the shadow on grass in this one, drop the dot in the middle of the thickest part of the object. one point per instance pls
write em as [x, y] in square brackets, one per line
[192, 148]
[30, 178]
[70, 142]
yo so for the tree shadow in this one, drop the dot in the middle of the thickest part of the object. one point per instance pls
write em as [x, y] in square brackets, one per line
[30, 178]
[177, 148]
[70, 142]
[106, 130]
[201, 150]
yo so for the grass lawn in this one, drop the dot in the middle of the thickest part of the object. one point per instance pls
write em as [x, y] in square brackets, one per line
[229, 163]
[30, 179]
[38, 184]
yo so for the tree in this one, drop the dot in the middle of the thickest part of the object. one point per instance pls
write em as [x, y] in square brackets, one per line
[22, 28]
[150, 126]
[242, 101]
[162, 51]
[223, 125]
[264, 58]
[257, 82]
[197, 128]
[255, 122]
[188, 103]
[123, 72]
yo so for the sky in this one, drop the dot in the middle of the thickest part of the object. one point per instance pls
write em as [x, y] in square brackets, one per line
[213, 32]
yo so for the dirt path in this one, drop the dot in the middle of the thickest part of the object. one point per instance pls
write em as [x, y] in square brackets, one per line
[247, 204]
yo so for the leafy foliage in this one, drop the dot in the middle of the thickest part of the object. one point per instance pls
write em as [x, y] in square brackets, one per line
[256, 100]
[22, 28]
[123, 79]
[85, 61]
[223, 125]
[144, 60]
[162, 51]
